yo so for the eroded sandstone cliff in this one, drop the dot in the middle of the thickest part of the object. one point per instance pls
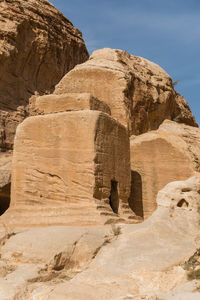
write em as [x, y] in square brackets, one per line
[38, 45]
[140, 93]
[158, 157]
[71, 167]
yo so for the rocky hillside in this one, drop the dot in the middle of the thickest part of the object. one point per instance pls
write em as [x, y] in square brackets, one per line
[38, 45]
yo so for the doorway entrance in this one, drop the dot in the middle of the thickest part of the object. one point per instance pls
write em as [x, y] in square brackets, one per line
[114, 198]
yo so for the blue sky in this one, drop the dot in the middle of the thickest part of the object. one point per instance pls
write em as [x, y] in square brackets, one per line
[166, 32]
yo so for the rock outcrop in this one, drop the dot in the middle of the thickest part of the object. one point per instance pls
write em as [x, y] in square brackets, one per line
[158, 157]
[139, 92]
[70, 168]
[143, 261]
[79, 177]
[38, 46]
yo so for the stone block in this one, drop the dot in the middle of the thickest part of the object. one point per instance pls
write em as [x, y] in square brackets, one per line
[69, 102]
[70, 168]
[168, 154]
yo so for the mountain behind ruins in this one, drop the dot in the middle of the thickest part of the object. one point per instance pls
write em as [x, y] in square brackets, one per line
[100, 168]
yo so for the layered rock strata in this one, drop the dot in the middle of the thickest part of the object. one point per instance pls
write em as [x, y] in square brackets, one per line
[70, 168]
[158, 157]
[139, 92]
[38, 46]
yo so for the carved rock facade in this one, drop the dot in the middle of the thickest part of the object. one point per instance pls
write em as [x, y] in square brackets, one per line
[70, 168]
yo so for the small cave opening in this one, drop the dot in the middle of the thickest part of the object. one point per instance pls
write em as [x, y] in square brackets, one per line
[182, 203]
[4, 198]
[114, 197]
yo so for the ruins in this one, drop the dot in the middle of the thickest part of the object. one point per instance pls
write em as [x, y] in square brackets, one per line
[73, 160]
[70, 167]
[99, 168]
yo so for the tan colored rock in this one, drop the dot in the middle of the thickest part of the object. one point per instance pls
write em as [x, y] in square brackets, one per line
[69, 102]
[158, 157]
[38, 46]
[139, 92]
[143, 261]
[70, 168]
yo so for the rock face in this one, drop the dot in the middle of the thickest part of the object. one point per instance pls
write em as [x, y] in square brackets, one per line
[140, 93]
[38, 45]
[159, 157]
[70, 168]
[143, 261]
[68, 102]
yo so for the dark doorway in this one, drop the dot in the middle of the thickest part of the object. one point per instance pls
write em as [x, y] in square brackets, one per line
[4, 198]
[114, 198]
[135, 199]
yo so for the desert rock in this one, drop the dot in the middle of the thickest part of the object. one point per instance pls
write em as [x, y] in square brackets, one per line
[68, 102]
[141, 261]
[158, 157]
[139, 92]
[38, 46]
[70, 168]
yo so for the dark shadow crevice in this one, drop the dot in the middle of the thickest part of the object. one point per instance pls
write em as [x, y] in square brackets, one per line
[135, 199]
[4, 198]
[114, 197]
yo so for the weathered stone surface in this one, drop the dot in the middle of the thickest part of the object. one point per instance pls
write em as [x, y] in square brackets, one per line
[69, 102]
[38, 45]
[143, 261]
[140, 93]
[159, 157]
[70, 168]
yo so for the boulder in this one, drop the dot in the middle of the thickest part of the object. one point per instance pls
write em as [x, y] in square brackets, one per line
[158, 157]
[70, 168]
[38, 46]
[140, 94]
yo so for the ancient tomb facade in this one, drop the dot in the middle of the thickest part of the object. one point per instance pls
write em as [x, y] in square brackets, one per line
[70, 168]
[158, 157]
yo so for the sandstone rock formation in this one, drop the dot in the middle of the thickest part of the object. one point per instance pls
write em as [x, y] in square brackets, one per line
[129, 262]
[140, 93]
[79, 178]
[159, 157]
[38, 45]
[70, 167]
[68, 102]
